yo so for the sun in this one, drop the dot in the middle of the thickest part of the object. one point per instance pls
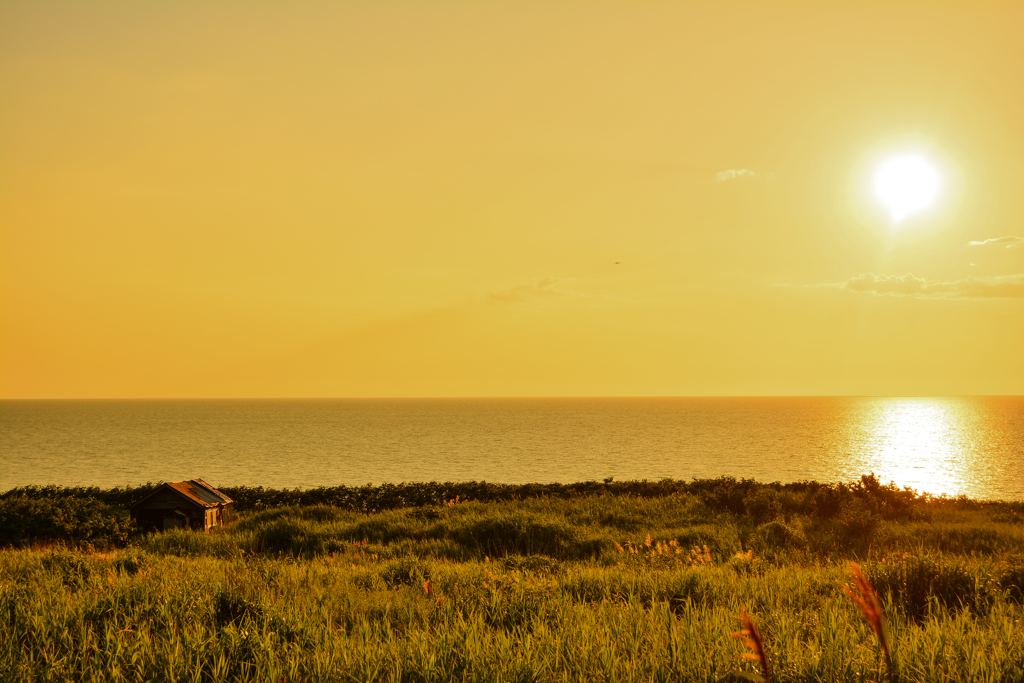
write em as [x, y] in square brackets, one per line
[906, 184]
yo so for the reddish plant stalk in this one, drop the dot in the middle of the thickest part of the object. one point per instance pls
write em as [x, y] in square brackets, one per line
[751, 638]
[864, 596]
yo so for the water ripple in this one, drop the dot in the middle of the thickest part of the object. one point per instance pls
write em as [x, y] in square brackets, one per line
[970, 446]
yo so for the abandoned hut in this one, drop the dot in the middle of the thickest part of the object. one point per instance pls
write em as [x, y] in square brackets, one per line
[191, 504]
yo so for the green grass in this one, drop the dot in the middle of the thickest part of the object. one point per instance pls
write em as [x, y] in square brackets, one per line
[595, 587]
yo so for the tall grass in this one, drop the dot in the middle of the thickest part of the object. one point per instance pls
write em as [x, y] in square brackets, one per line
[144, 616]
[844, 516]
[594, 588]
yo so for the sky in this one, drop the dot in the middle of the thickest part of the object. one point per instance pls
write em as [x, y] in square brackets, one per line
[363, 199]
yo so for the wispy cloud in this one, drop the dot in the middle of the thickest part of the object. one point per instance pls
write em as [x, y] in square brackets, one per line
[734, 173]
[971, 287]
[528, 292]
[1009, 242]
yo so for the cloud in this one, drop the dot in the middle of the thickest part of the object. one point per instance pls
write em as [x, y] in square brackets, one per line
[1010, 242]
[534, 290]
[971, 287]
[734, 173]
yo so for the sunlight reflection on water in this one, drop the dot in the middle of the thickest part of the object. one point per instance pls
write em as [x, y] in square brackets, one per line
[971, 446]
[923, 443]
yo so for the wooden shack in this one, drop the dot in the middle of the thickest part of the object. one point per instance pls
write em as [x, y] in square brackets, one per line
[191, 504]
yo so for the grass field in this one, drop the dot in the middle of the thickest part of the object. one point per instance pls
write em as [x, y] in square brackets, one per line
[590, 587]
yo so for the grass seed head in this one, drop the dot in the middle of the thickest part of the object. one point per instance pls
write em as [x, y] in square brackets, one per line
[866, 599]
[751, 639]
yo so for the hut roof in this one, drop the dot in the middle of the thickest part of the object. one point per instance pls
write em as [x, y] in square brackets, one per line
[195, 490]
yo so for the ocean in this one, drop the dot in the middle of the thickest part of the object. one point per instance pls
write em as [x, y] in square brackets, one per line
[970, 446]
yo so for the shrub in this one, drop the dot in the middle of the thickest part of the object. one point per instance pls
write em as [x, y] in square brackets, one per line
[775, 536]
[76, 521]
[914, 582]
[724, 493]
[827, 501]
[888, 500]
[764, 505]
[287, 535]
[856, 523]
[520, 533]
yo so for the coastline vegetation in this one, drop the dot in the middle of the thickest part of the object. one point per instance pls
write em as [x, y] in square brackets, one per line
[599, 581]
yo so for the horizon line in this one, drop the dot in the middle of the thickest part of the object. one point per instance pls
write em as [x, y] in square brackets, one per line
[495, 397]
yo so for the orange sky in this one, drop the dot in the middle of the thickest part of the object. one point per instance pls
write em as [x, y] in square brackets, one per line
[506, 199]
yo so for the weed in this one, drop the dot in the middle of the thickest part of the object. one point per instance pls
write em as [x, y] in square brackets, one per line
[864, 596]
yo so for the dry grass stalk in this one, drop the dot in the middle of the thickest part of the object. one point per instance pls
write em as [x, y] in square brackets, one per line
[700, 557]
[751, 638]
[864, 596]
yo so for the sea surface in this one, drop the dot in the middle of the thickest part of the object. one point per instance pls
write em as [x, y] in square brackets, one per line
[972, 446]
